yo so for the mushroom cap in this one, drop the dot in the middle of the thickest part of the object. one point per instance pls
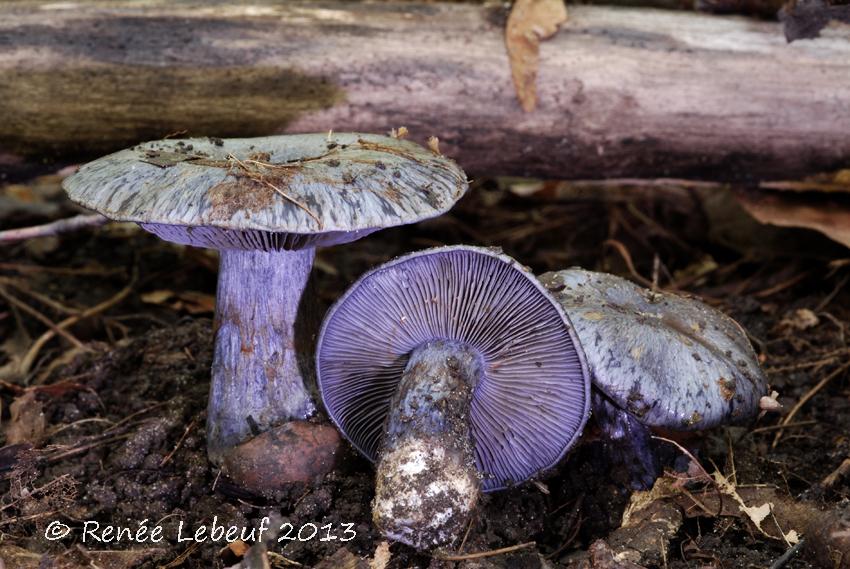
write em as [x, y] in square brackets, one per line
[532, 399]
[275, 192]
[671, 361]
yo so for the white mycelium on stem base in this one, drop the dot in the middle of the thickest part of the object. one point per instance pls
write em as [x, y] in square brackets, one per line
[457, 372]
[427, 482]
[257, 371]
[266, 203]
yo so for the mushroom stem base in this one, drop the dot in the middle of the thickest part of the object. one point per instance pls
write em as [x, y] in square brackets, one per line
[258, 369]
[427, 483]
[628, 442]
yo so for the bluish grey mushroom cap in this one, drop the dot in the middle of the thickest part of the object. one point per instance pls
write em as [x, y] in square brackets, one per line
[531, 401]
[276, 192]
[671, 361]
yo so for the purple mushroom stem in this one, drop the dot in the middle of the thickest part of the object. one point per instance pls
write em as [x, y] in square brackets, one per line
[257, 372]
[428, 431]
[628, 442]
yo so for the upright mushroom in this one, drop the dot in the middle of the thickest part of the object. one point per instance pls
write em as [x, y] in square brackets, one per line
[266, 203]
[456, 371]
[657, 359]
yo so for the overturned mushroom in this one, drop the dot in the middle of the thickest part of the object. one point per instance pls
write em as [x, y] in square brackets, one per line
[456, 371]
[657, 360]
[266, 203]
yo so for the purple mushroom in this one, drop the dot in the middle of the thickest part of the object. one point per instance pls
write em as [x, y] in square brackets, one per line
[266, 204]
[657, 360]
[456, 371]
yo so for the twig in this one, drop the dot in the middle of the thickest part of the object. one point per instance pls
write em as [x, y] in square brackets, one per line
[73, 451]
[786, 557]
[811, 393]
[55, 228]
[178, 561]
[834, 476]
[179, 442]
[575, 526]
[258, 177]
[482, 554]
[82, 271]
[466, 534]
[40, 317]
[32, 354]
[25, 288]
[28, 518]
[780, 426]
[781, 286]
[828, 298]
[708, 477]
[132, 416]
[278, 557]
[627, 258]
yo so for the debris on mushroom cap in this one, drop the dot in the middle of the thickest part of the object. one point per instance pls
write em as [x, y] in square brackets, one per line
[671, 361]
[532, 399]
[276, 192]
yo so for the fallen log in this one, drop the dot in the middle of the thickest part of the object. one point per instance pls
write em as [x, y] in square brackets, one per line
[621, 92]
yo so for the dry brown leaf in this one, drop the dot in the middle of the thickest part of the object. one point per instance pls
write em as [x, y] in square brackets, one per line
[381, 557]
[27, 422]
[191, 301]
[530, 22]
[832, 218]
[238, 548]
[757, 514]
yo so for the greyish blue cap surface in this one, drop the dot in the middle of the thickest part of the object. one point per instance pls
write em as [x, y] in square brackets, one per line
[671, 361]
[276, 192]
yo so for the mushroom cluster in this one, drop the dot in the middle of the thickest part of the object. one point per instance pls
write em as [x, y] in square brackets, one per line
[657, 359]
[456, 372]
[266, 204]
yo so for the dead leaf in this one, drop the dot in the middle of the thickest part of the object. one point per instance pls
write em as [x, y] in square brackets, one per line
[27, 422]
[837, 182]
[756, 514]
[830, 217]
[190, 301]
[800, 319]
[381, 557]
[649, 523]
[530, 22]
[238, 548]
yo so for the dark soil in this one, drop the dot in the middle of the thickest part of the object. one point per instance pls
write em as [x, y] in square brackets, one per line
[121, 438]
